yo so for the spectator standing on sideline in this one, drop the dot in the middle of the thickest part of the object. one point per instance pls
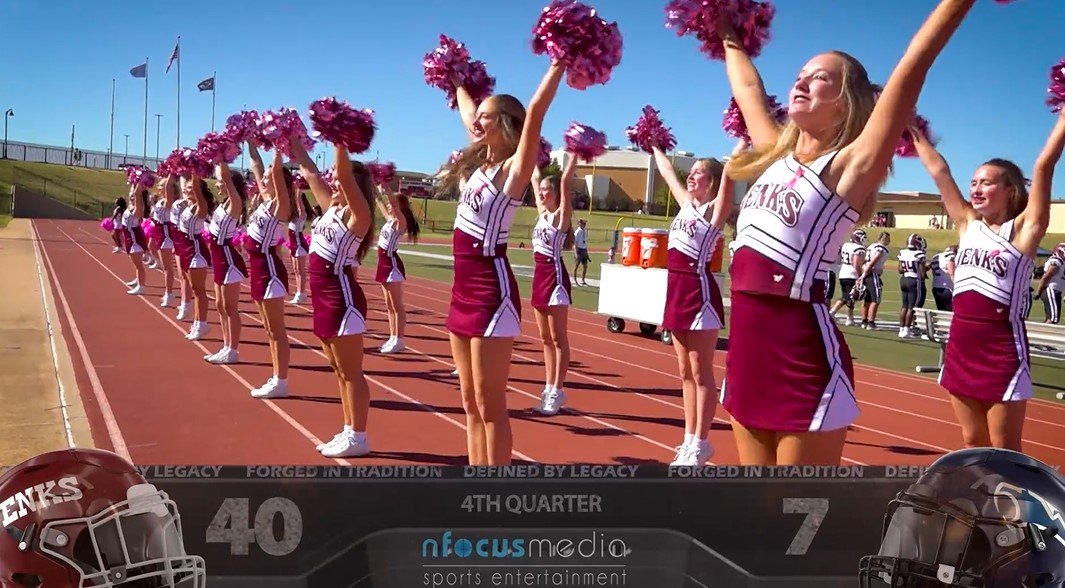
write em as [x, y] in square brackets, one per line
[580, 250]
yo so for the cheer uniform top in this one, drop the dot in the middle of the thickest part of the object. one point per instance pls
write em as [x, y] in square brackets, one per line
[338, 304]
[268, 276]
[693, 298]
[550, 282]
[484, 295]
[788, 368]
[390, 268]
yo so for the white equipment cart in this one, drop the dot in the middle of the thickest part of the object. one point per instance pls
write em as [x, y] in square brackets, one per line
[635, 294]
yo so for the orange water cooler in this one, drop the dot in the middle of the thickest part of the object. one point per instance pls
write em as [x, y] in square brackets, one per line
[717, 260]
[630, 246]
[653, 244]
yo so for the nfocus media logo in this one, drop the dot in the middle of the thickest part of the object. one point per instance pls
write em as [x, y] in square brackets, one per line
[593, 545]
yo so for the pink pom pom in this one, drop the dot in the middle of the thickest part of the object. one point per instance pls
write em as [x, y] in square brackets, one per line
[251, 188]
[139, 176]
[572, 34]
[329, 176]
[242, 126]
[247, 242]
[340, 124]
[152, 231]
[275, 128]
[750, 19]
[450, 62]
[382, 173]
[216, 148]
[1056, 91]
[543, 158]
[906, 147]
[455, 155]
[206, 234]
[299, 182]
[238, 239]
[189, 162]
[584, 142]
[108, 224]
[736, 127]
[306, 241]
[650, 132]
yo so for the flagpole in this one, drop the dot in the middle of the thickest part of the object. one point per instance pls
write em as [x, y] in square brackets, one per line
[214, 90]
[111, 145]
[179, 92]
[144, 160]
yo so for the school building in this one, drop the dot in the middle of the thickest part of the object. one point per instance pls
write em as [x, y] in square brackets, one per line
[921, 210]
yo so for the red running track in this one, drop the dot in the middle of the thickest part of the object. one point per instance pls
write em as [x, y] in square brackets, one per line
[150, 395]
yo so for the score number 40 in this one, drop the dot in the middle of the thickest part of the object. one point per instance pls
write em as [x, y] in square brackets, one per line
[231, 525]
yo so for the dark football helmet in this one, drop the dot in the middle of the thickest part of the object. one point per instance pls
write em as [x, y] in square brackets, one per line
[977, 518]
[86, 517]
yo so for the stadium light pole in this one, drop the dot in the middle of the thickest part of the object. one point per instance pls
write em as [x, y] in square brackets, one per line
[158, 122]
[7, 114]
[126, 155]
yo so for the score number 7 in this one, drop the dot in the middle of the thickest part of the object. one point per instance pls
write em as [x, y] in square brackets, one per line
[231, 525]
[815, 510]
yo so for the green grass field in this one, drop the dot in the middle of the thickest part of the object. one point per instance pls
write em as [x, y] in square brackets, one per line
[878, 348]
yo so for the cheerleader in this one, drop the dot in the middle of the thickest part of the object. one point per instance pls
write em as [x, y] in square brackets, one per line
[133, 237]
[789, 377]
[297, 245]
[493, 174]
[179, 204]
[163, 242]
[194, 258]
[116, 223]
[267, 275]
[399, 221]
[987, 365]
[228, 269]
[339, 242]
[694, 312]
[551, 236]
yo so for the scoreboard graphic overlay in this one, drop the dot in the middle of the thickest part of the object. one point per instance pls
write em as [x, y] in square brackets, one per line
[531, 525]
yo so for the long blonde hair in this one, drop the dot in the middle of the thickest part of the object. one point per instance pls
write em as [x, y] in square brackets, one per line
[511, 115]
[859, 98]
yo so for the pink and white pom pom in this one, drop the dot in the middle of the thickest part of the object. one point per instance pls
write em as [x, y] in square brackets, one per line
[275, 128]
[341, 124]
[1056, 91]
[649, 132]
[190, 162]
[382, 173]
[139, 176]
[584, 142]
[543, 157]
[251, 188]
[108, 224]
[451, 61]
[329, 177]
[906, 146]
[242, 126]
[216, 148]
[751, 19]
[456, 155]
[574, 35]
[169, 166]
[736, 127]
[238, 238]
[299, 182]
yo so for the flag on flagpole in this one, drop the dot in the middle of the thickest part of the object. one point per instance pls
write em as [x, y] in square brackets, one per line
[141, 71]
[206, 85]
[174, 56]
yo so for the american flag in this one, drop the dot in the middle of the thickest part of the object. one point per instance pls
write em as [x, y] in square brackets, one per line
[174, 56]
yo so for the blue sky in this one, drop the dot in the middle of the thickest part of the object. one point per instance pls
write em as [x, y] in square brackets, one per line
[984, 96]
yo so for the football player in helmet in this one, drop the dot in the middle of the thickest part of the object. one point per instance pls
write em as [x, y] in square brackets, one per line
[977, 518]
[87, 517]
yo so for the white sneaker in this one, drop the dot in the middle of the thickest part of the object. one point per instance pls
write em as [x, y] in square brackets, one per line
[347, 446]
[332, 441]
[904, 333]
[387, 346]
[393, 345]
[299, 298]
[273, 388]
[116, 250]
[197, 331]
[849, 322]
[551, 401]
[133, 282]
[153, 264]
[694, 454]
[455, 373]
[168, 299]
[136, 290]
[229, 357]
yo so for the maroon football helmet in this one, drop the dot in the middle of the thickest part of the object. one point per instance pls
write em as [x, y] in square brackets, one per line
[87, 518]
